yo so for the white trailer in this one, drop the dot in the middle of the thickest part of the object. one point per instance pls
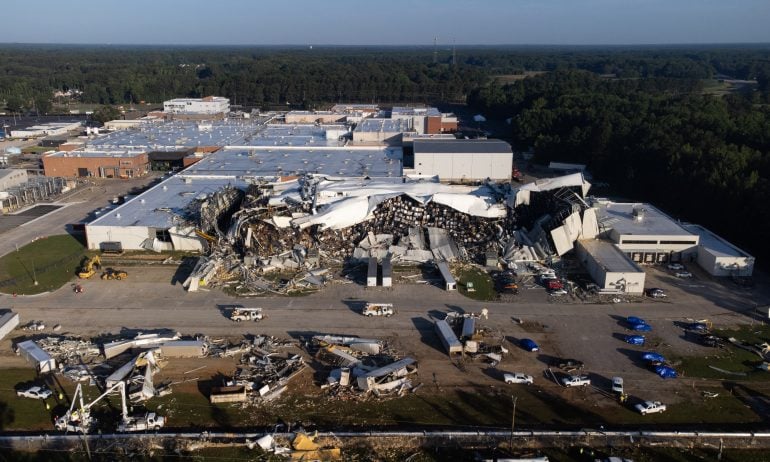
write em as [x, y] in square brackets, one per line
[8, 322]
[387, 273]
[448, 337]
[449, 280]
[42, 361]
[371, 273]
[184, 349]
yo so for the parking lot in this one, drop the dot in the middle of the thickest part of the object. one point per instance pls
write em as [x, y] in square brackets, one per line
[590, 330]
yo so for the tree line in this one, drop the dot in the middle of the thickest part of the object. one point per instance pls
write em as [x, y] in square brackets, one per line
[700, 157]
[299, 76]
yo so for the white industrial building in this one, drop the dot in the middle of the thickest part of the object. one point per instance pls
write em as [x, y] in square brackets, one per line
[12, 177]
[609, 267]
[718, 257]
[381, 131]
[463, 160]
[209, 105]
[645, 233]
[47, 129]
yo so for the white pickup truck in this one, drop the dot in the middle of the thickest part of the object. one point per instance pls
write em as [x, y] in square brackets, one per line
[247, 314]
[35, 393]
[379, 309]
[518, 377]
[576, 381]
[650, 407]
[140, 423]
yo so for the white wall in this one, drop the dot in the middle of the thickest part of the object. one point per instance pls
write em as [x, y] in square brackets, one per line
[132, 237]
[469, 167]
[724, 265]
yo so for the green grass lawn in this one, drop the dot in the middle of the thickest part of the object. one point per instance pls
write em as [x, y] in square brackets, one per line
[483, 285]
[52, 261]
[730, 358]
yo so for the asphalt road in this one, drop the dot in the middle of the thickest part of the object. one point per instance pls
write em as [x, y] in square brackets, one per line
[76, 207]
[151, 298]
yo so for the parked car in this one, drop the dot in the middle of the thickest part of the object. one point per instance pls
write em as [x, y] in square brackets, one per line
[635, 320]
[518, 377]
[35, 393]
[617, 385]
[650, 407]
[576, 381]
[569, 365]
[655, 292]
[683, 274]
[529, 344]
[675, 266]
[635, 339]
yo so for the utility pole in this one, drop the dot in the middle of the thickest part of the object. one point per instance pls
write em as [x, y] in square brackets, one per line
[513, 419]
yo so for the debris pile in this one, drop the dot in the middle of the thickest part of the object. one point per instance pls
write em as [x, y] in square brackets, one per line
[363, 367]
[69, 351]
[264, 372]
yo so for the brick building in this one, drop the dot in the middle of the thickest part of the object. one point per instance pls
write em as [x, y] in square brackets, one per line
[96, 164]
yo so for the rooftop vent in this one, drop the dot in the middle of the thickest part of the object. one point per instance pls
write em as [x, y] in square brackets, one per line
[639, 213]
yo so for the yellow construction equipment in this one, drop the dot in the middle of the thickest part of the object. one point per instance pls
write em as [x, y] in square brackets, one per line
[89, 266]
[111, 273]
[208, 237]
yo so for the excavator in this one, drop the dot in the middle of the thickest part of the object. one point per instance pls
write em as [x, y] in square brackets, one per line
[89, 266]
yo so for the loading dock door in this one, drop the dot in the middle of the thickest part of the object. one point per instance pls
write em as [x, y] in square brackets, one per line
[82, 172]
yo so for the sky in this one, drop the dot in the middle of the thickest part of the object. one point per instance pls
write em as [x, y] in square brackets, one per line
[385, 22]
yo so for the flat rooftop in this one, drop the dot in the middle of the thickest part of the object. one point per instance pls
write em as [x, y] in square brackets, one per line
[714, 243]
[414, 111]
[462, 146]
[163, 205]
[295, 135]
[383, 125]
[180, 135]
[612, 259]
[97, 154]
[620, 217]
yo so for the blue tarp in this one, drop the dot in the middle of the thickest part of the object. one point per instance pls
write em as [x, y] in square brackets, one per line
[641, 327]
[652, 356]
[634, 320]
[635, 339]
[665, 372]
[529, 344]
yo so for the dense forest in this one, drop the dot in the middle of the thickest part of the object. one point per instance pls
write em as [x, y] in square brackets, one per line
[638, 116]
[301, 76]
[702, 158]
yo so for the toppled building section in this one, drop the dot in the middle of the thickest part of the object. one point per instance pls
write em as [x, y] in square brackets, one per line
[265, 369]
[360, 367]
[296, 226]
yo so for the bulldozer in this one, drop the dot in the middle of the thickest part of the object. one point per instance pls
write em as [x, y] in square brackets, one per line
[111, 273]
[89, 266]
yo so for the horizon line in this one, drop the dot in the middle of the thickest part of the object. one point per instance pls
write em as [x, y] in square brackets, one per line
[385, 45]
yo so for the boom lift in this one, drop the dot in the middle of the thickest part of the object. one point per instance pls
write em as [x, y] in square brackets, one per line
[79, 420]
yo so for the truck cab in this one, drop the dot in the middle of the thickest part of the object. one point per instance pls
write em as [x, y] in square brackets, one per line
[246, 314]
[379, 309]
[149, 421]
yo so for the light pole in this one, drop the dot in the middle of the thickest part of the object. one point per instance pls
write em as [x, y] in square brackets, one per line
[513, 418]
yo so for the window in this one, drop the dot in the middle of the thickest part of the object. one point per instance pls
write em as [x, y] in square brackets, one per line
[631, 241]
[162, 235]
[678, 242]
